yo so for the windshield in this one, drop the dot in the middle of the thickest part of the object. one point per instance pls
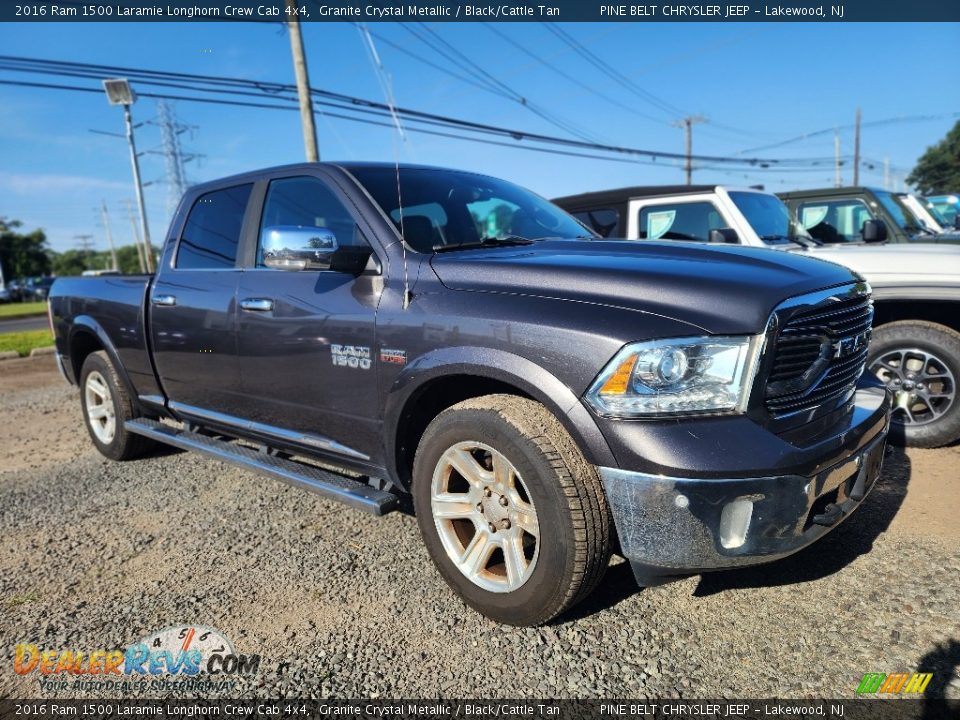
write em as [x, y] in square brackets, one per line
[768, 216]
[902, 216]
[447, 208]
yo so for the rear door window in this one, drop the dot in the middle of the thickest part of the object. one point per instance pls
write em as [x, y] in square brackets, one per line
[212, 232]
[679, 221]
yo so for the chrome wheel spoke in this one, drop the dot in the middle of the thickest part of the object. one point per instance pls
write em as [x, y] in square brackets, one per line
[514, 559]
[477, 553]
[526, 519]
[450, 506]
[465, 464]
[97, 411]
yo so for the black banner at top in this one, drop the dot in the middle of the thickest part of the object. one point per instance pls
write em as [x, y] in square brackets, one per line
[478, 10]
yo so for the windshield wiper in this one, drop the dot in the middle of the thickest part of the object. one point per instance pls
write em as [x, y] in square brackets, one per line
[804, 243]
[486, 242]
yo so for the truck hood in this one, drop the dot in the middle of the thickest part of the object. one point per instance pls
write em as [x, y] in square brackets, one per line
[718, 289]
[897, 264]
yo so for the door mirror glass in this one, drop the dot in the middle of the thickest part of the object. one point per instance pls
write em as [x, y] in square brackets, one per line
[295, 247]
[724, 235]
[874, 231]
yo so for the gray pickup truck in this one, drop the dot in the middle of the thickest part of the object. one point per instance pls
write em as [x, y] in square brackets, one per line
[542, 395]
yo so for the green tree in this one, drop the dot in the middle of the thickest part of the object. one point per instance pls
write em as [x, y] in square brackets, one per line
[22, 254]
[938, 169]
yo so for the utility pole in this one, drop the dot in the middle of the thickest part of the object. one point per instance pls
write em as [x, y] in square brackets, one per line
[303, 82]
[886, 173]
[136, 236]
[837, 180]
[106, 228]
[856, 151]
[687, 124]
[86, 247]
[148, 247]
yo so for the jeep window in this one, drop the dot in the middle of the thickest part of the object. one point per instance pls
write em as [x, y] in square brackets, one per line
[680, 221]
[605, 222]
[212, 231]
[834, 221]
[768, 216]
[307, 202]
[449, 208]
[901, 215]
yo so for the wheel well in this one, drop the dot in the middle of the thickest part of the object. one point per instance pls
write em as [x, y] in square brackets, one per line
[431, 400]
[943, 313]
[82, 345]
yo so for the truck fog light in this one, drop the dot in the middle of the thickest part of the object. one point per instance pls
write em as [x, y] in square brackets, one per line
[734, 523]
[681, 501]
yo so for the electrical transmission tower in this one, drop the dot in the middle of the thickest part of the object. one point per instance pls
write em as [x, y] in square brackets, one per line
[174, 157]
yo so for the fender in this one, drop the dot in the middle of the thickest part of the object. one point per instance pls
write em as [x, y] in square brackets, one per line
[503, 366]
[85, 323]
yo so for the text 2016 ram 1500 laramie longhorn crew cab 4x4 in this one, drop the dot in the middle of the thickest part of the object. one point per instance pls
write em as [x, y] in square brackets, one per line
[541, 395]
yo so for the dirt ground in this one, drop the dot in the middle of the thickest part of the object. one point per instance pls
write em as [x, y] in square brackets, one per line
[98, 554]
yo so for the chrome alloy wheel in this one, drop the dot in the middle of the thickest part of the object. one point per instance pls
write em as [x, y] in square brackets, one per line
[99, 402]
[922, 384]
[485, 517]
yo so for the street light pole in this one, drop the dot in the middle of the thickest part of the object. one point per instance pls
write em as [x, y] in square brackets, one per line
[119, 92]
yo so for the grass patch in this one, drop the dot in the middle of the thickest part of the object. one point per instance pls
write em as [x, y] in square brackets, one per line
[31, 596]
[24, 342]
[15, 310]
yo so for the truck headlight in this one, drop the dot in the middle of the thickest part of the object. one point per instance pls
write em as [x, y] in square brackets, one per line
[683, 375]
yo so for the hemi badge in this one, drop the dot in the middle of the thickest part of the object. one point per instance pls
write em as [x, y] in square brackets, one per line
[394, 357]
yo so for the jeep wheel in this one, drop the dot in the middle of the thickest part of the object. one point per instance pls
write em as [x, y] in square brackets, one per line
[106, 406]
[512, 514]
[920, 362]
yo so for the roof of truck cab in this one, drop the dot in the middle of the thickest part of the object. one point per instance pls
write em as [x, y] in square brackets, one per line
[830, 191]
[619, 195]
[254, 175]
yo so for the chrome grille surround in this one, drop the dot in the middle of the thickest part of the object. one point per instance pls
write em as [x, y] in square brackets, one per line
[819, 351]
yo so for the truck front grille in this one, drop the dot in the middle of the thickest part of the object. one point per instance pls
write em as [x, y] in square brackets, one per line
[820, 352]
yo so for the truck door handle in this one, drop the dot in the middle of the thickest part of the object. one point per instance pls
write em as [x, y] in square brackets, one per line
[256, 304]
[168, 300]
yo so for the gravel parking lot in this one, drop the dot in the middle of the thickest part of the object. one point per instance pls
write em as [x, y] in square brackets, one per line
[95, 554]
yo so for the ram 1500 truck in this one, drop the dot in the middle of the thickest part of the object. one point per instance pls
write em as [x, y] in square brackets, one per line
[915, 348]
[538, 392]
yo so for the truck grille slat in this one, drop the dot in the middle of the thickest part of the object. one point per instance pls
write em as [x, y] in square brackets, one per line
[831, 333]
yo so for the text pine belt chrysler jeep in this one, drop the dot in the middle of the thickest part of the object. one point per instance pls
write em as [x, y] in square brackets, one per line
[538, 392]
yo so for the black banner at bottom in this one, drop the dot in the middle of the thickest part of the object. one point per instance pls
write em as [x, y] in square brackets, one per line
[859, 709]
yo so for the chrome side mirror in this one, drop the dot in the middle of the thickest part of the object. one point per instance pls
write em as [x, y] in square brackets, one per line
[295, 247]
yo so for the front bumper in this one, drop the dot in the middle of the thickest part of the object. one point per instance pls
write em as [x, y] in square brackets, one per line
[673, 526]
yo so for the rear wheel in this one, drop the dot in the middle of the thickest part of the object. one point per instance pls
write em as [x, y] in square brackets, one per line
[920, 362]
[106, 407]
[511, 513]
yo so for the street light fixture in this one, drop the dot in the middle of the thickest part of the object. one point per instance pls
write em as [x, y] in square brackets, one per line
[119, 92]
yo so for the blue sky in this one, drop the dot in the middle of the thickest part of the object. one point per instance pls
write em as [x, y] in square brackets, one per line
[757, 83]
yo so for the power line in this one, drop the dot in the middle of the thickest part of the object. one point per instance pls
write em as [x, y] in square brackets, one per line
[345, 103]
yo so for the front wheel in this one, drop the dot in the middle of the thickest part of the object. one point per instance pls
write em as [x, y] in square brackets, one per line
[511, 513]
[920, 362]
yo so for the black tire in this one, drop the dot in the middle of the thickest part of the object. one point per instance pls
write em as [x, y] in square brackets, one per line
[574, 520]
[122, 445]
[928, 427]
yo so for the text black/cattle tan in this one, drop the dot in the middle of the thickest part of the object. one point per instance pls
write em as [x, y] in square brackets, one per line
[536, 391]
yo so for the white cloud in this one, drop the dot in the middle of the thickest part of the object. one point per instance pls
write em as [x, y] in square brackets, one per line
[27, 183]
